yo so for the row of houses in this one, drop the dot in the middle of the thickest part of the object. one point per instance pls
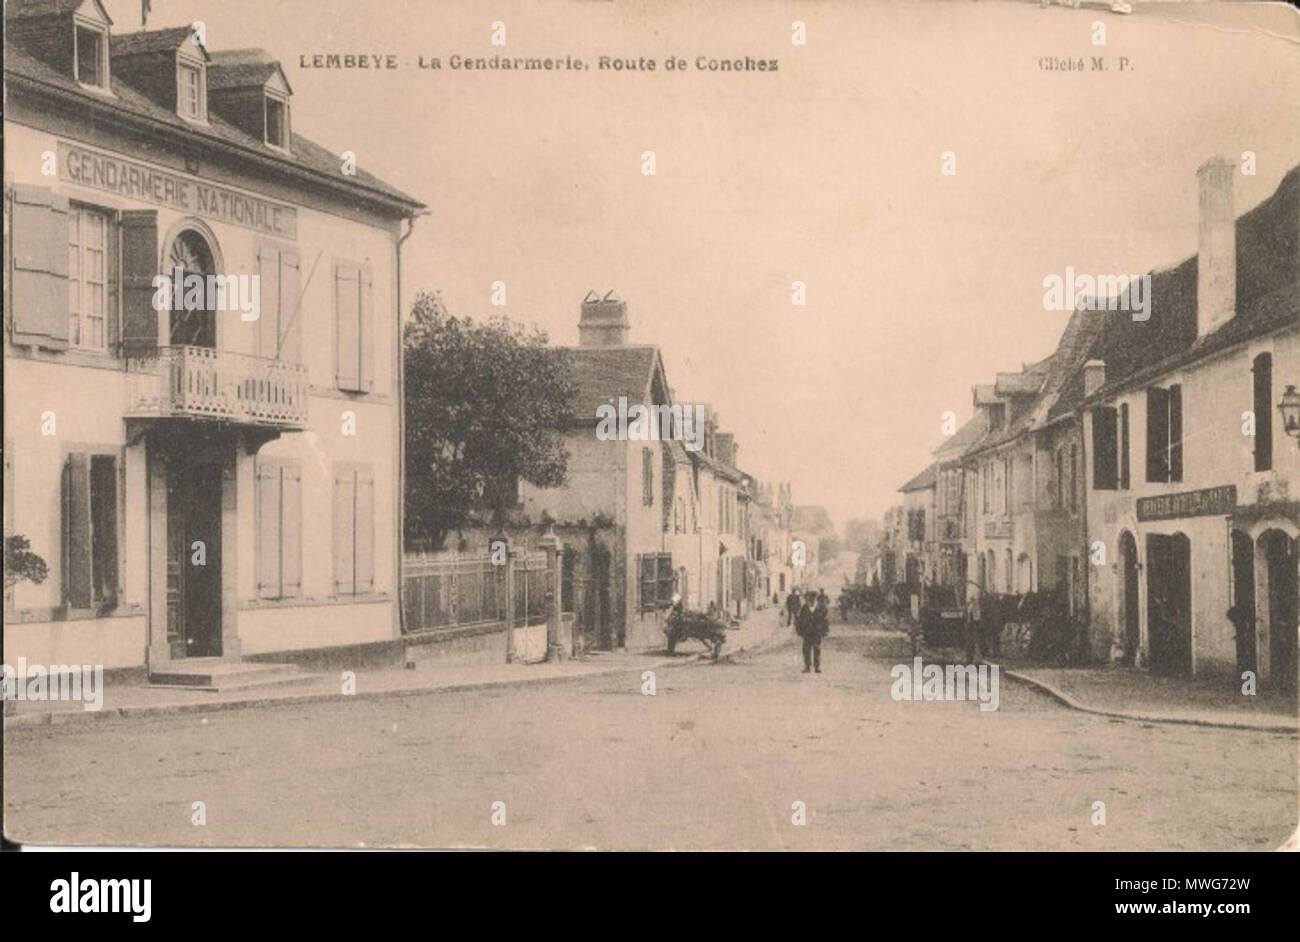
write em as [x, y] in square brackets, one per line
[206, 485]
[645, 519]
[1146, 474]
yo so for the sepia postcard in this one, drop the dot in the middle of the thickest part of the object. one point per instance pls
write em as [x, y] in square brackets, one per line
[799, 425]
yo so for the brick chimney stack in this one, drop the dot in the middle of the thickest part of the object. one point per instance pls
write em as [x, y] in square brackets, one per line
[1216, 263]
[603, 321]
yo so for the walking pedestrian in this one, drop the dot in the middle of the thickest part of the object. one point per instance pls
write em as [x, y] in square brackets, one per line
[792, 606]
[812, 624]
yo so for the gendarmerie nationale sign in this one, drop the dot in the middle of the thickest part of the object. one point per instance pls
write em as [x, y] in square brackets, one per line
[101, 171]
[1211, 501]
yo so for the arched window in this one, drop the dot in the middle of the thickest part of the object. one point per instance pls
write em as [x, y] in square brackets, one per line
[194, 324]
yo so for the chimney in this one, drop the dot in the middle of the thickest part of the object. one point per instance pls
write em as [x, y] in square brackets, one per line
[603, 322]
[1094, 376]
[727, 448]
[1216, 263]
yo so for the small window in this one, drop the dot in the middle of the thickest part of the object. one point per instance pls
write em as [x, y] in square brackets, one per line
[276, 123]
[190, 97]
[90, 57]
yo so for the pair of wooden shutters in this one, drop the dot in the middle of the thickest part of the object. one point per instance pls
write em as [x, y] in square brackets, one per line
[354, 317]
[1110, 448]
[1165, 434]
[354, 530]
[280, 319]
[39, 229]
[279, 529]
[89, 530]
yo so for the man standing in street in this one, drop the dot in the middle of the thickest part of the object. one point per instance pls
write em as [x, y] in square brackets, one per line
[811, 624]
[792, 607]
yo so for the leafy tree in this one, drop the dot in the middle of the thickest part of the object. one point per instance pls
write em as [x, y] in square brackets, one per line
[485, 407]
[21, 563]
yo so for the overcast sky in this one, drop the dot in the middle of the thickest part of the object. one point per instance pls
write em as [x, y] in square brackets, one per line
[826, 171]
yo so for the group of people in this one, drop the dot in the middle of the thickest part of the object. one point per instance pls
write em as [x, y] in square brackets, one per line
[810, 613]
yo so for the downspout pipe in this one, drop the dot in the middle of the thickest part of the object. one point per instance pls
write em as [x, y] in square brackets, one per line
[401, 425]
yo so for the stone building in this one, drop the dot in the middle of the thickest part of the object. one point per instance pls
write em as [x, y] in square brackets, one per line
[207, 480]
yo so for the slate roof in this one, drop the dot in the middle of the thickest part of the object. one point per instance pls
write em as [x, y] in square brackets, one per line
[15, 9]
[926, 479]
[307, 155]
[956, 446]
[145, 41]
[1268, 297]
[241, 68]
[602, 374]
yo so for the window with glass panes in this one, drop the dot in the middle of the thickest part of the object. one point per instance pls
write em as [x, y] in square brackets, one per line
[87, 277]
[191, 92]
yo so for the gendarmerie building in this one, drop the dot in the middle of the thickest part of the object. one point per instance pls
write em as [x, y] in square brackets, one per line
[205, 479]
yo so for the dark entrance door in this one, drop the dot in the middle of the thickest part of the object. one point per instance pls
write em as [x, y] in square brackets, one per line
[1169, 603]
[1283, 606]
[1242, 613]
[194, 560]
[1132, 630]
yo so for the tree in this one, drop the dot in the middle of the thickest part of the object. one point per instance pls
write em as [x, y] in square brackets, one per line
[485, 408]
[21, 563]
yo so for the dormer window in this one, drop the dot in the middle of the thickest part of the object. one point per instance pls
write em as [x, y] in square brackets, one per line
[191, 92]
[277, 122]
[91, 56]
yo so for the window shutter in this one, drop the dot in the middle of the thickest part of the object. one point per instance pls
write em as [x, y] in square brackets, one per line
[366, 334]
[139, 232]
[344, 525]
[1175, 433]
[1105, 470]
[269, 321]
[291, 529]
[1123, 447]
[290, 309]
[76, 531]
[39, 234]
[269, 582]
[365, 531]
[1263, 407]
[1157, 434]
[346, 328]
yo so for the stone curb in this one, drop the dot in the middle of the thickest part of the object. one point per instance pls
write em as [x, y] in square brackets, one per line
[1067, 700]
[83, 717]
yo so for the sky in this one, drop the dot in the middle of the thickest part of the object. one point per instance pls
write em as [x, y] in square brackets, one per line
[826, 171]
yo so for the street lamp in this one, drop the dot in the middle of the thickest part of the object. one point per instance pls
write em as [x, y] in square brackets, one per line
[1290, 409]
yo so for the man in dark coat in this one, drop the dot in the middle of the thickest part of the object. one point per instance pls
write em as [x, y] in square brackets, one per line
[792, 606]
[811, 624]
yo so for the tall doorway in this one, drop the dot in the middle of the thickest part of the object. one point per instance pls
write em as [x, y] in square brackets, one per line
[194, 559]
[1132, 617]
[1279, 554]
[1242, 613]
[1169, 603]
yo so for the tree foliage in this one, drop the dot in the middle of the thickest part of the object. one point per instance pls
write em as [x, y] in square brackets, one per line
[21, 563]
[485, 407]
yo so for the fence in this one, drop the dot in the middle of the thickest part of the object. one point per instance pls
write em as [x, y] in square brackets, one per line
[447, 592]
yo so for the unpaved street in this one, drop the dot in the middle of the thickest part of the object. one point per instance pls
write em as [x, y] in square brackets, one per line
[715, 759]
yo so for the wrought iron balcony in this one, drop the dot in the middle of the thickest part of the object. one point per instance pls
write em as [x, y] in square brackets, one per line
[202, 383]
